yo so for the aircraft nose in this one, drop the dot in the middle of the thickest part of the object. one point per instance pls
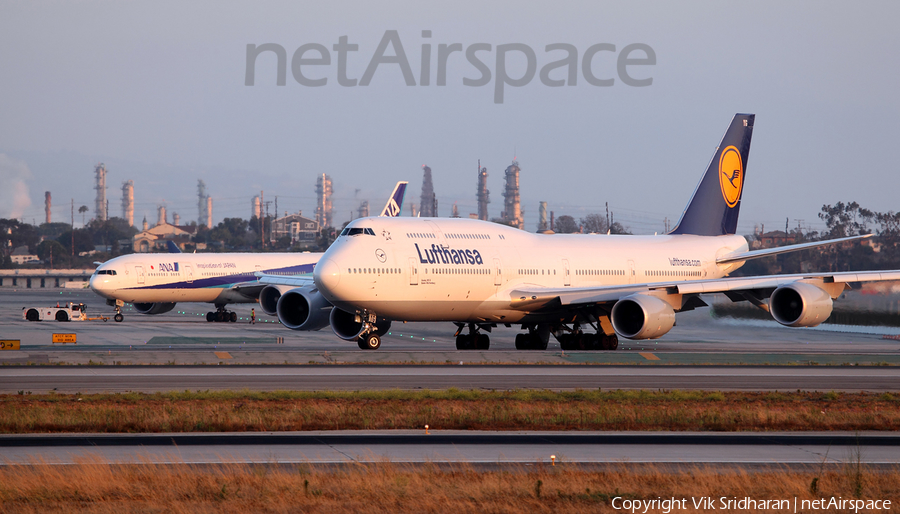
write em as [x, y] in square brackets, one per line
[327, 275]
[99, 285]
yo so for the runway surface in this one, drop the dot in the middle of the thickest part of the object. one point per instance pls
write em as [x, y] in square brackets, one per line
[456, 446]
[349, 377]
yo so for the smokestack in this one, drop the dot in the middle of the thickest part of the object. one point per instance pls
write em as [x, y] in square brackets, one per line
[512, 213]
[161, 219]
[255, 208]
[427, 200]
[176, 219]
[482, 194]
[202, 204]
[542, 217]
[363, 209]
[47, 206]
[454, 213]
[208, 220]
[323, 199]
[100, 205]
[128, 202]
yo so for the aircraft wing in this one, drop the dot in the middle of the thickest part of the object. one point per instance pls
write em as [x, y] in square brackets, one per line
[538, 298]
[248, 289]
[279, 280]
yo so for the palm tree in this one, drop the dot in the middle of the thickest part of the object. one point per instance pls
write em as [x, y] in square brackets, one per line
[83, 209]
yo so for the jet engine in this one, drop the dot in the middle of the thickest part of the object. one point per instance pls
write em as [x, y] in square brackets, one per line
[269, 296]
[349, 326]
[303, 308]
[800, 305]
[642, 317]
[153, 308]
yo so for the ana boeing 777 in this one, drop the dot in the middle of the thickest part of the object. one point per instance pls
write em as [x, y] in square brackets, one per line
[155, 282]
[585, 290]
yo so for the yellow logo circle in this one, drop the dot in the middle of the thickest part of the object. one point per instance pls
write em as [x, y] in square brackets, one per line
[731, 175]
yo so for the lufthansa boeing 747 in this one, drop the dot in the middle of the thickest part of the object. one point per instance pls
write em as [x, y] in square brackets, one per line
[585, 290]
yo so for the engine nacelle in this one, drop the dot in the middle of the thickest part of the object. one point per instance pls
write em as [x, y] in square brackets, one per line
[642, 317]
[153, 308]
[303, 308]
[349, 326]
[800, 305]
[269, 296]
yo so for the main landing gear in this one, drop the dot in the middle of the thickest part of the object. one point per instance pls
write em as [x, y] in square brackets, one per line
[473, 340]
[537, 338]
[221, 315]
[578, 340]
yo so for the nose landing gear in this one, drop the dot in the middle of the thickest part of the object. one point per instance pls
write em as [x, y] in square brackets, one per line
[370, 337]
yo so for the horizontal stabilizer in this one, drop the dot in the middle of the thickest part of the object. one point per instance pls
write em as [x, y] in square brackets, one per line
[757, 254]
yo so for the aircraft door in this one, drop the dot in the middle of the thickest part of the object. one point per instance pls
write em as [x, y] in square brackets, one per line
[566, 279]
[630, 272]
[139, 273]
[189, 273]
[498, 270]
[413, 272]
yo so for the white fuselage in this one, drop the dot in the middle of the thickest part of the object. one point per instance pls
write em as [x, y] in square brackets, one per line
[192, 277]
[452, 269]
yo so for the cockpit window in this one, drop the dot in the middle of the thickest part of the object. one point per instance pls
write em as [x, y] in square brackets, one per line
[106, 272]
[355, 231]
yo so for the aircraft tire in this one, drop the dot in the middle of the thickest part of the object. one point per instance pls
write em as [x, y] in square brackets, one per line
[118, 318]
[613, 342]
[210, 316]
[233, 317]
[484, 342]
[361, 343]
[537, 343]
[372, 341]
[522, 342]
[463, 342]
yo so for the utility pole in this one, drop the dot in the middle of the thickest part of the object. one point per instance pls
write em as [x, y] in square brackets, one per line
[607, 215]
[262, 238]
[73, 227]
[267, 219]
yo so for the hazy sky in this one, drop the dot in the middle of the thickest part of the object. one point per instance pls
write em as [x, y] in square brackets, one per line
[156, 90]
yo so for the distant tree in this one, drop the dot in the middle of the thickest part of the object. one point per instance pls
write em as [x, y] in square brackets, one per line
[594, 224]
[51, 249]
[53, 230]
[24, 234]
[617, 228]
[565, 224]
[83, 209]
[83, 241]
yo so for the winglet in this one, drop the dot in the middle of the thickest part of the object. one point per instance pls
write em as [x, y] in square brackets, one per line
[172, 247]
[395, 202]
[713, 209]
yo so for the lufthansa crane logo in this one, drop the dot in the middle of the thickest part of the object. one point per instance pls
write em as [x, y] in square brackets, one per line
[380, 255]
[731, 175]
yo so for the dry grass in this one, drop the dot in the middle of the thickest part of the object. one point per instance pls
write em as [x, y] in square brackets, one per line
[452, 409]
[93, 487]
